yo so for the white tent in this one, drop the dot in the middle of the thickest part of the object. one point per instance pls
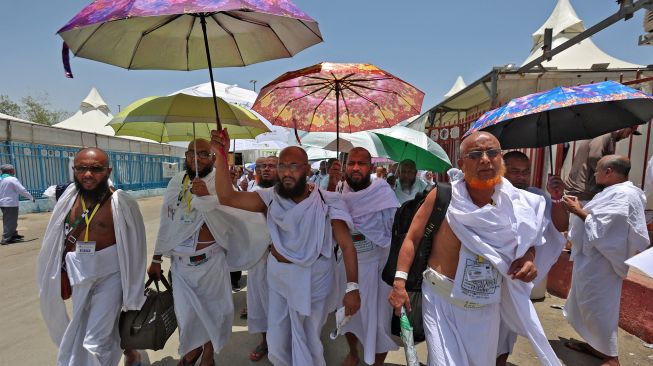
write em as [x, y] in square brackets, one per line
[457, 86]
[230, 93]
[566, 25]
[92, 116]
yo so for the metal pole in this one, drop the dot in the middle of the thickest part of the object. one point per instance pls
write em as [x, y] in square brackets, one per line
[548, 127]
[208, 59]
[195, 152]
[337, 119]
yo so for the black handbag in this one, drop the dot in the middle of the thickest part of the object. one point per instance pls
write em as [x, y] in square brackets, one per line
[150, 327]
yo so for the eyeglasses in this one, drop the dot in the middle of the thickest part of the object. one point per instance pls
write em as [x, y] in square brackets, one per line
[81, 169]
[292, 167]
[475, 155]
[267, 166]
[200, 154]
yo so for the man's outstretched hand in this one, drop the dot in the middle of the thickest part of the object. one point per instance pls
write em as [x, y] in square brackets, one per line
[220, 141]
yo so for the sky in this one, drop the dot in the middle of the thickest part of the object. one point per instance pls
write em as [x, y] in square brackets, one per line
[427, 43]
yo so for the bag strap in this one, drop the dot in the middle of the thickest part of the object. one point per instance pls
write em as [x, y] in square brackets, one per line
[442, 199]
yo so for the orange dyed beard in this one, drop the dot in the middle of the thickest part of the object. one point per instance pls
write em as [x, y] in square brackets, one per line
[476, 183]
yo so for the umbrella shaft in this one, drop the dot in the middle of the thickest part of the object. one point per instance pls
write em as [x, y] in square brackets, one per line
[208, 59]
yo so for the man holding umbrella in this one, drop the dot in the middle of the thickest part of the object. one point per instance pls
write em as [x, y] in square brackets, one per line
[303, 221]
[372, 206]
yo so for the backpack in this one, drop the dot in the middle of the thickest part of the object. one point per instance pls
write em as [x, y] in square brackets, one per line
[403, 218]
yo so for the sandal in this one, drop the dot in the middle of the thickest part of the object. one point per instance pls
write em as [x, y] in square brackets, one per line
[583, 347]
[258, 353]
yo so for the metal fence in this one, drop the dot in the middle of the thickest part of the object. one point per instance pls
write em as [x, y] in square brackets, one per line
[40, 166]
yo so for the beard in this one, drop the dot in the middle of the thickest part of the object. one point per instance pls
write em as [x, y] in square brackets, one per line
[202, 173]
[266, 183]
[362, 184]
[98, 191]
[292, 192]
[475, 182]
[408, 186]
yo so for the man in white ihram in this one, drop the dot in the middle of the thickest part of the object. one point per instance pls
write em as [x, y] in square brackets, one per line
[556, 216]
[481, 263]
[103, 235]
[203, 240]
[303, 221]
[372, 206]
[604, 233]
[257, 282]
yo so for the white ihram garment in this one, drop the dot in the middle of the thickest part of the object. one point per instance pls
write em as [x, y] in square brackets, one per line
[455, 335]
[202, 290]
[545, 257]
[257, 291]
[614, 231]
[299, 291]
[372, 210]
[492, 237]
[103, 284]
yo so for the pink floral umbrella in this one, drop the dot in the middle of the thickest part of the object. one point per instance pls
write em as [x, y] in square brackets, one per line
[331, 97]
[176, 34]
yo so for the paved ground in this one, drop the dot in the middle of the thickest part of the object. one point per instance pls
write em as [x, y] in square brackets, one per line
[24, 339]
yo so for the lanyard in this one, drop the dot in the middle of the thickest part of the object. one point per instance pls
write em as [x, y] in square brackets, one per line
[87, 218]
[182, 194]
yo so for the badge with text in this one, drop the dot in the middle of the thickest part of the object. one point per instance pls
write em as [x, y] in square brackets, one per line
[361, 243]
[477, 280]
[188, 217]
[85, 247]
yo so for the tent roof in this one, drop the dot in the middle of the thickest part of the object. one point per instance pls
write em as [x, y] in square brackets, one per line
[12, 118]
[571, 67]
[92, 116]
[456, 87]
[230, 93]
[566, 25]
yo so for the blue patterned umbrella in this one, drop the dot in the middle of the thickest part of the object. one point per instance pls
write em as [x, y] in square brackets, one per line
[565, 114]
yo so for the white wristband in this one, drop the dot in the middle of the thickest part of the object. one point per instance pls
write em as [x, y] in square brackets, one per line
[351, 286]
[157, 261]
[401, 274]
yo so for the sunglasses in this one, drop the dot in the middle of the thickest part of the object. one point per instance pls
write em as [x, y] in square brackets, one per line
[475, 155]
[292, 167]
[80, 169]
[200, 154]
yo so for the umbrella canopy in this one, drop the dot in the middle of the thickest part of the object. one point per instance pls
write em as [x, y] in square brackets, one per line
[566, 114]
[331, 97]
[396, 143]
[405, 143]
[167, 34]
[180, 117]
[175, 34]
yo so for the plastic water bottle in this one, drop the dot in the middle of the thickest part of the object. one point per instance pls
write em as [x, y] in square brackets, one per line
[407, 338]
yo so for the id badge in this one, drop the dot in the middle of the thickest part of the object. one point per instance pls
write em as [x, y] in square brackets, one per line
[361, 243]
[479, 271]
[188, 217]
[85, 248]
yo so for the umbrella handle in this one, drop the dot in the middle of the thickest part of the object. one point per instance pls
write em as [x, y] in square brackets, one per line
[208, 59]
